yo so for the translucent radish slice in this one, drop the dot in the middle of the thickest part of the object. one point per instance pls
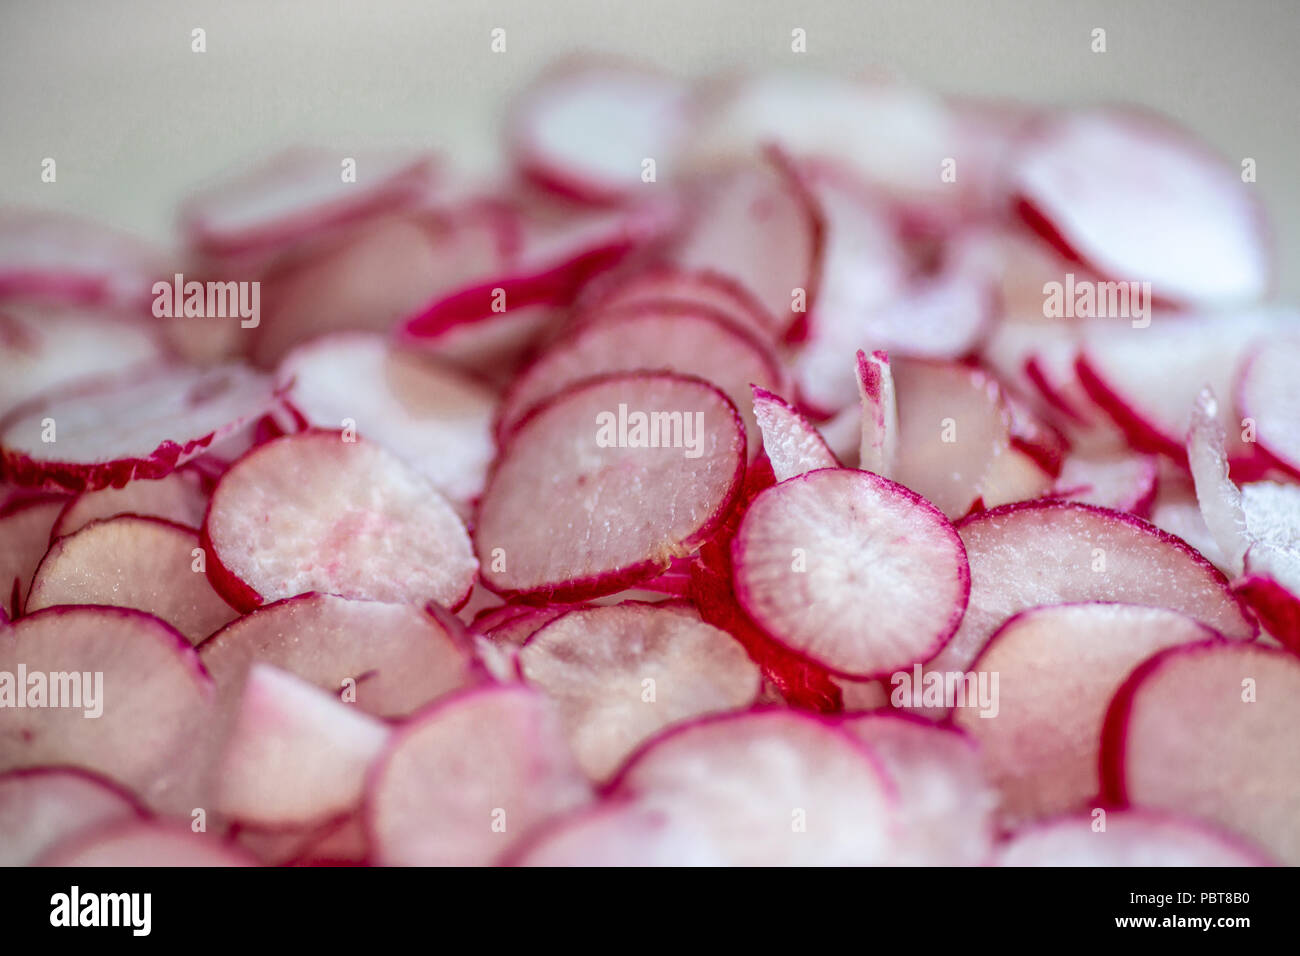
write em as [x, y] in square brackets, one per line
[1267, 396]
[463, 783]
[620, 674]
[154, 697]
[1138, 199]
[42, 807]
[588, 498]
[1130, 838]
[664, 282]
[1013, 476]
[1209, 729]
[109, 431]
[296, 755]
[145, 843]
[1219, 497]
[622, 833]
[817, 555]
[143, 563]
[945, 805]
[770, 788]
[878, 450]
[1119, 481]
[1042, 756]
[178, 498]
[437, 420]
[24, 539]
[792, 444]
[316, 512]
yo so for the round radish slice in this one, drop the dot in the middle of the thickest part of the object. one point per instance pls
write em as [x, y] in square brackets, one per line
[622, 833]
[770, 788]
[1209, 729]
[178, 498]
[606, 483]
[24, 539]
[1118, 481]
[620, 674]
[143, 563]
[851, 570]
[1140, 201]
[42, 807]
[145, 843]
[1129, 838]
[1267, 396]
[792, 444]
[89, 435]
[1058, 668]
[319, 512]
[464, 782]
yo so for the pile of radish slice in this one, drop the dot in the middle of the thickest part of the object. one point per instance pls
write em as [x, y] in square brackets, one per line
[713, 488]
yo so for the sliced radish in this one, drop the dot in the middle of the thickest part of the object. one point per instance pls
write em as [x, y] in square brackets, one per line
[622, 833]
[1014, 475]
[1209, 729]
[178, 498]
[144, 843]
[1128, 838]
[819, 554]
[1267, 396]
[604, 516]
[878, 450]
[318, 512]
[1177, 512]
[513, 624]
[24, 539]
[792, 444]
[1124, 482]
[42, 807]
[1220, 499]
[464, 782]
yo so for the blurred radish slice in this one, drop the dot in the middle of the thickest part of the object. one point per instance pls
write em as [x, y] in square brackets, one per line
[792, 444]
[178, 498]
[620, 674]
[1013, 476]
[92, 434]
[154, 695]
[42, 807]
[664, 283]
[1267, 396]
[1139, 200]
[770, 788]
[1123, 482]
[437, 420]
[585, 130]
[1130, 838]
[317, 512]
[143, 563]
[145, 843]
[878, 450]
[1177, 512]
[945, 806]
[621, 833]
[603, 485]
[296, 755]
[1036, 356]
[1042, 756]
[513, 624]
[24, 539]
[819, 554]
[1209, 729]
[464, 782]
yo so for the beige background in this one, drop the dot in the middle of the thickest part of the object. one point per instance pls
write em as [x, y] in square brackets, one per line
[110, 89]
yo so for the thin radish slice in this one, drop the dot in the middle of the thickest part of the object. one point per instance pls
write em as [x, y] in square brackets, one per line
[1129, 838]
[42, 807]
[1267, 396]
[178, 498]
[143, 563]
[495, 349]
[153, 698]
[318, 512]
[945, 806]
[1219, 497]
[1014, 475]
[878, 450]
[663, 282]
[145, 843]
[24, 539]
[1209, 729]
[295, 755]
[770, 788]
[1177, 512]
[1191, 229]
[792, 444]
[620, 674]
[634, 470]
[818, 554]
[1124, 482]
[464, 782]
[1036, 356]
[89, 435]
[437, 420]
[1041, 755]
[622, 833]
[513, 624]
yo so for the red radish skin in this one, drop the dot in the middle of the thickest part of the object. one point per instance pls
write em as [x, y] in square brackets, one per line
[25, 529]
[792, 444]
[42, 807]
[145, 843]
[178, 498]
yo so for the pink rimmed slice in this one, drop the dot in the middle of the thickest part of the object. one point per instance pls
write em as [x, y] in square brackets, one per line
[179, 498]
[148, 564]
[621, 833]
[152, 843]
[1267, 396]
[1209, 729]
[1124, 482]
[588, 499]
[792, 443]
[319, 512]
[144, 424]
[1058, 668]
[878, 450]
[24, 539]
[851, 571]
[620, 674]
[41, 807]
[464, 782]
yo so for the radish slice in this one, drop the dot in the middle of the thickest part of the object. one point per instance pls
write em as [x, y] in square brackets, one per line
[818, 554]
[591, 527]
[1013, 476]
[93, 434]
[42, 807]
[463, 783]
[1123, 482]
[620, 674]
[316, 512]
[878, 450]
[621, 833]
[1267, 395]
[144, 843]
[770, 788]
[154, 695]
[143, 563]
[1219, 498]
[1137, 199]
[1130, 838]
[792, 444]
[435, 419]
[178, 498]
[523, 622]
[1042, 756]
[24, 539]
[295, 755]
[1209, 729]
